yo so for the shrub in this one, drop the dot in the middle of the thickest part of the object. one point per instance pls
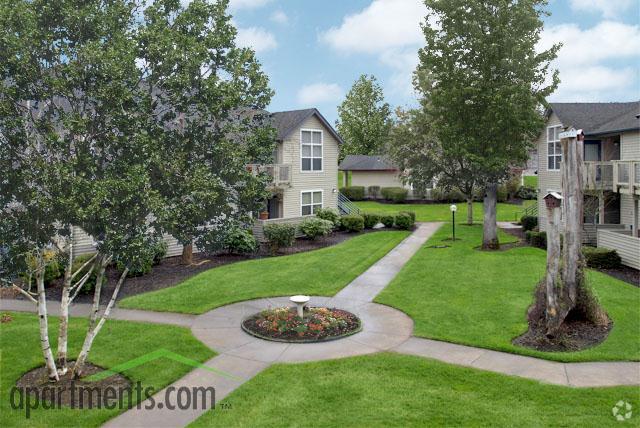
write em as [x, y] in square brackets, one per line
[388, 220]
[528, 222]
[536, 239]
[52, 270]
[411, 214]
[78, 262]
[144, 264]
[512, 185]
[355, 193]
[394, 194]
[526, 192]
[373, 191]
[370, 220]
[240, 241]
[161, 249]
[404, 221]
[352, 222]
[329, 214]
[601, 258]
[503, 194]
[279, 236]
[453, 195]
[314, 227]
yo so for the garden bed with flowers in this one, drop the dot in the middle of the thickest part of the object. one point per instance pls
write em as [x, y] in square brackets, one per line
[317, 325]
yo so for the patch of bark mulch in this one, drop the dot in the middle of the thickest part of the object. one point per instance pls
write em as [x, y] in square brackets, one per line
[574, 335]
[74, 393]
[624, 273]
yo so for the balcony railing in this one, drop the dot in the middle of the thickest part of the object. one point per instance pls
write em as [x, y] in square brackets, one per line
[626, 176]
[598, 175]
[280, 173]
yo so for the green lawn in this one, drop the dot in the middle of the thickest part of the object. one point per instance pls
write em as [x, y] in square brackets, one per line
[531, 181]
[441, 212]
[320, 272]
[463, 295]
[397, 390]
[118, 342]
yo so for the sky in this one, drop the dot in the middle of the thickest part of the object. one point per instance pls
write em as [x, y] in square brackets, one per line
[313, 50]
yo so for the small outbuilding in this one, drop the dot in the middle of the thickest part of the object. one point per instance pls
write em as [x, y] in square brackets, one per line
[367, 171]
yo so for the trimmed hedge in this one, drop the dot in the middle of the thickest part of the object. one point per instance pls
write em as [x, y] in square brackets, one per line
[404, 221]
[370, 220]
[453, 195]
[601, 258]
[528, 222]
[329, 214]
[279, 236]
[354, 193]
[314, 227]
[536, 239]
[352, 222]
[394, 194]
[240, 241]
[388, 220]
[411, 214]
[373, 192]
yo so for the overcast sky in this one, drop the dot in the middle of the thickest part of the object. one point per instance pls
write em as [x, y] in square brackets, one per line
[313, 50]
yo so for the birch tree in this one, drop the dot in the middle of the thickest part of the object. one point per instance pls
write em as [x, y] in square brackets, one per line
[489, 84]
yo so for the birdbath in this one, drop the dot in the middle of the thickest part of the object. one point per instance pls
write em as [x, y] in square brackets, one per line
[300, 301]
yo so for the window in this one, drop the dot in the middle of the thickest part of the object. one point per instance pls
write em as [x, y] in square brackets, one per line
[311, 202]
[311, 150]
[554, 150]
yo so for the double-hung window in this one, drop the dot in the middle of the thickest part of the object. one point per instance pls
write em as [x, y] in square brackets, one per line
[311, 150]
[554, 150]
[311, 202]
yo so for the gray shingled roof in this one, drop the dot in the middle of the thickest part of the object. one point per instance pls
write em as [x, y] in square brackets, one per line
[286, 122]
[598, 118]
[366, 163]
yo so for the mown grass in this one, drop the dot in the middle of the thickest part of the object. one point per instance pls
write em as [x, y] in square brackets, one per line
[397, 390]
[118, 342]
[462, 295]
[321, 272]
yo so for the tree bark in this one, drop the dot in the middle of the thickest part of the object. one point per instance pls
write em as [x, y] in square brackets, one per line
[44, 324]
[469, 211]
[490, 226]
[553, 281]
[187, 254]
[65, 300]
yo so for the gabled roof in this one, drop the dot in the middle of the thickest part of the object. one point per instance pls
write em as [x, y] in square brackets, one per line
[286, 122]
[366, 163]
[598, 118]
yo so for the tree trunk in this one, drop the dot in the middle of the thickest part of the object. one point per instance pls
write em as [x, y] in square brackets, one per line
[553, 282]
[44, 324]
[187, 254]
[469, 211]
[489, 226]
[65, 301]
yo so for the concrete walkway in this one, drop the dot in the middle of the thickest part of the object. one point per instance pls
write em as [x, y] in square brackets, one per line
[243, 356]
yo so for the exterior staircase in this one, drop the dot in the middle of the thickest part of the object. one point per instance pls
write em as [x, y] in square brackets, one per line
[345, 206]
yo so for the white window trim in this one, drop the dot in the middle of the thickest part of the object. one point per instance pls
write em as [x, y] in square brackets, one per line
[555, 155]
[312, 204]
[313, 171]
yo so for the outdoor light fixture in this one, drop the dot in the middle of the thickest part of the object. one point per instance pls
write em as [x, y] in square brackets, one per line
[453, 209]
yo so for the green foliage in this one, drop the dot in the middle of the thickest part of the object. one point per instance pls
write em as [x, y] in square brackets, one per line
[314, 227]
[411, 214]
[352, 223]
[146, 258]
[52, 270]
[370, 219]
[394, 194]
[512, 185]
[528, 222]
[503, 193]
[453, 195]
[354, 193]
[78, 262]
[279, 236]
[404, 221]
[387, 219]
[601, 258]
[373, 192]
[526, 192]
[240, 240]
[364, 119]
[329, 214]
[536, 239]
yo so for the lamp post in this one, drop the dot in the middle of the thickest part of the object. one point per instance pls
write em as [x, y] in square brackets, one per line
[453, 209]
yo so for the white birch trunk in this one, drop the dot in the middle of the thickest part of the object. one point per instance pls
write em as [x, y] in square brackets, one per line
[65, 301]
[490, 225]
[44, 324]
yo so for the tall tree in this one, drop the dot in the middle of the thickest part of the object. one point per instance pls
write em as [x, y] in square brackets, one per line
[489, 85]
[364, 119]
[206, 98]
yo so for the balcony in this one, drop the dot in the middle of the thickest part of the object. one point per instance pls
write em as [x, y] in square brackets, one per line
[597, 175]
[626, 177]
[280, 174]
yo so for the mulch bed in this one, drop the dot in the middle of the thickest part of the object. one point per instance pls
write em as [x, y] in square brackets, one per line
[288, 327]
[574, 335]
[171, 271]
[624, 273]
[74, 393]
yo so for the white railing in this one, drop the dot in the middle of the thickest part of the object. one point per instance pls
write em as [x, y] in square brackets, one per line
[626, 176]
[597, 175]
[280, 173]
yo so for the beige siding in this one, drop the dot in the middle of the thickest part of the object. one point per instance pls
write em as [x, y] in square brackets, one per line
[376, 178]
[630, 149]
[625, 245]
[327, 180]
[83, 243]
[547, 180]
[626, 210]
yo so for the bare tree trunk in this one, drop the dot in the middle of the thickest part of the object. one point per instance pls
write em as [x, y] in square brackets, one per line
[553, 281]
[469, 211]
[92, 333]
[490, 226]
[44, 324]
[187, 254]
[65, 301]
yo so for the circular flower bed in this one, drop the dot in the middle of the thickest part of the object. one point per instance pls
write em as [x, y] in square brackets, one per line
[317, 325]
